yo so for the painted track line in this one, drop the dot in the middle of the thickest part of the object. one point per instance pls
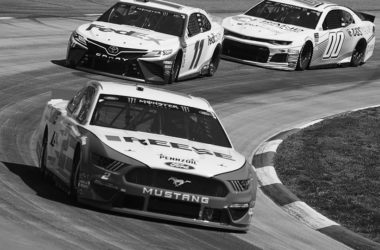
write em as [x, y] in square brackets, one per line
[271, 185]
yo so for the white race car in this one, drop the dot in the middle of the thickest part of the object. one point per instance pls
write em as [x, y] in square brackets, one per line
[148, 152]
[298, 34]
[148, 40]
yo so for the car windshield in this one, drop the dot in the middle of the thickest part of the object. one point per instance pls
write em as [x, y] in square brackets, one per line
[155, 117]
[157, 20]
[285, 13]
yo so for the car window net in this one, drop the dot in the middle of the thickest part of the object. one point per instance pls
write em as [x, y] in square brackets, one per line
[170, 23]
[285, 13]
[159, 118]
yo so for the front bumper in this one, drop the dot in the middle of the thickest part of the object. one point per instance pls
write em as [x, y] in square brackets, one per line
[283, 57]
[129, 64]
[144, 191]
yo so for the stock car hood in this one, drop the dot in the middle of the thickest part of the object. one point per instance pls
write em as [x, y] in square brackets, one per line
[171, 153]
[127, 36]
[262, 28]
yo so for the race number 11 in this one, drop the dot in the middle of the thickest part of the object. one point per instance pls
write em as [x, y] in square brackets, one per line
[197, 53]
[334, 45]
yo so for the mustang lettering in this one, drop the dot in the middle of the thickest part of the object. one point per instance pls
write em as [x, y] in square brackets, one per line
[175, 195]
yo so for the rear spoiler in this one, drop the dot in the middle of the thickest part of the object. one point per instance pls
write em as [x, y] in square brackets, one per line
[366, 17]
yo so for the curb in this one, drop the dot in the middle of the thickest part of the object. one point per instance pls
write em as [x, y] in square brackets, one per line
[271, 185]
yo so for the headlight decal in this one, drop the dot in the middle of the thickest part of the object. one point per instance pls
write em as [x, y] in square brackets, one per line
[79, 38]
[241, 185]
[106, 163]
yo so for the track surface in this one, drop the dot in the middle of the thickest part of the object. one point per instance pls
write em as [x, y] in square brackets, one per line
[253, 104]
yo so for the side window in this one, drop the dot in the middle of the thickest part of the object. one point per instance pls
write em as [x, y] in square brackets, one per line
[81, 104]
[332, 20]
[346, 18]
[198, 23]
[205, 23]
[193, 27]
[73, 104]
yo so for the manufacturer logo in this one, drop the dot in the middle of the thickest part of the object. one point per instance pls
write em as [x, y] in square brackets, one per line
[178, 182]
[113, 50]
[179, 165]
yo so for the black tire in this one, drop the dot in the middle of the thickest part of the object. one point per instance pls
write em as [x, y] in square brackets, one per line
[74, 179]
[43, 158]
[214, 63]
[175, 69]
[358, 54]
[305, 57]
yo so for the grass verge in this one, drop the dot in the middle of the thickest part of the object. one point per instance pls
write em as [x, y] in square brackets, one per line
[334, 166]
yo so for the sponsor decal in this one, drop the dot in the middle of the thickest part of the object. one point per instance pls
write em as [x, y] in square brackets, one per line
[179, 165]
[213, 38]
[178, 182]
[105, 176]
[314, 3]
[83, 184]
[111, 58]
[355, 32]
[161, 143]
[316, 37]
[281, 26]
[175, 195]
[244, 19]
[131, 33]
[176, 159]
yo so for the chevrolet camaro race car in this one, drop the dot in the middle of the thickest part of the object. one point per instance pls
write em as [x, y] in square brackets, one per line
[298, 34]
[126, 148]
[148, 40]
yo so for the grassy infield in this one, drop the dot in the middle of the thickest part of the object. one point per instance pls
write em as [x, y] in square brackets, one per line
[334, 166]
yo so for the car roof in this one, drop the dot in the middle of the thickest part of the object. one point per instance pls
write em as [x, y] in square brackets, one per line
[165, 5]
[310, 4]
[151, 93]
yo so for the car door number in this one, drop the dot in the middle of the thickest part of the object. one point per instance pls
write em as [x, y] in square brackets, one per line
[334, 45]
[197, 54]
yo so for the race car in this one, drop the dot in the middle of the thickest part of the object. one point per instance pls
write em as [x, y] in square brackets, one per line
[139, 150]
[299, 34]
[148, 40]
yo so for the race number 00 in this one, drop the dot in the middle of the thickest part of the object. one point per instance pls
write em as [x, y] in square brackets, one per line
[334, 45]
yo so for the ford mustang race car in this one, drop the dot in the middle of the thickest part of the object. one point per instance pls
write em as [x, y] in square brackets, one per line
[148, 40]
[298, 34]
[126, 148]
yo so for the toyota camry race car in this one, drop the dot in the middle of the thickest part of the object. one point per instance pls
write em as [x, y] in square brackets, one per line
[128, 149]
[148, 40]
[298, 34]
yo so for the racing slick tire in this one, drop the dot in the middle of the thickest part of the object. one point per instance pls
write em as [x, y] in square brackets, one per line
[358, 54]
[214, 63]
[43, 158]
[305, 57]
[74, 178]
[175, 69]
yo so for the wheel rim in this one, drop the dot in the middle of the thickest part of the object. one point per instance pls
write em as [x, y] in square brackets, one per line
[358, 56]
[305, 57]
[175, 71]
[75, 179]
[43, 159]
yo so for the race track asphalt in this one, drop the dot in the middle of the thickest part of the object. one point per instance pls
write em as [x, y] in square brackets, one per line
[253, 104]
